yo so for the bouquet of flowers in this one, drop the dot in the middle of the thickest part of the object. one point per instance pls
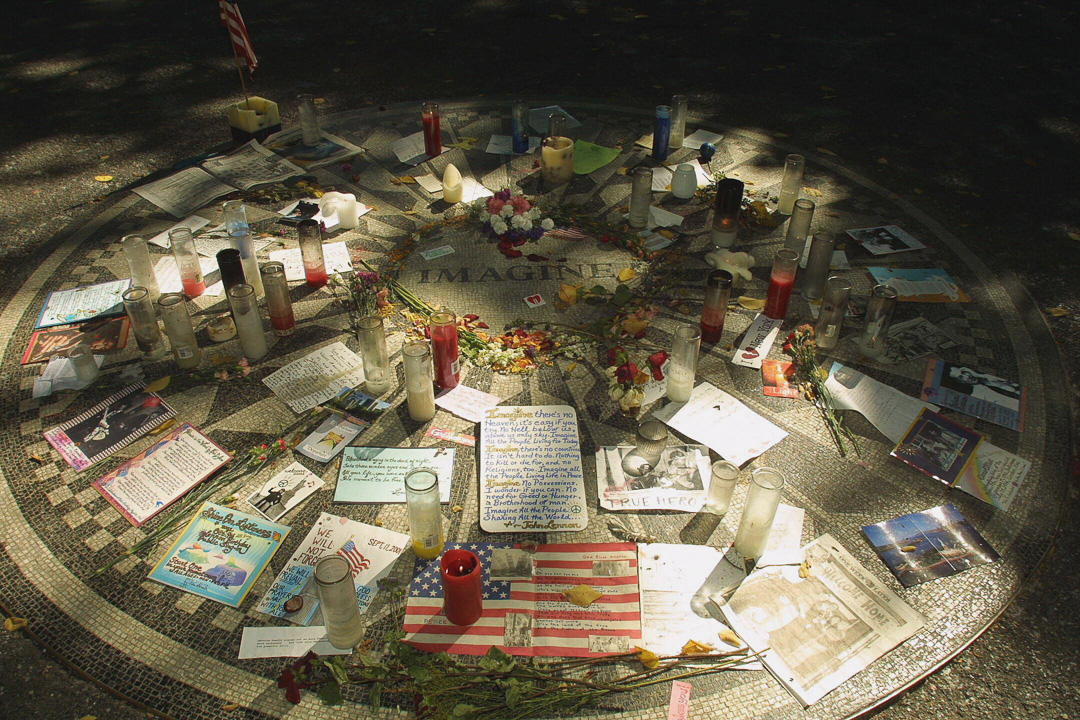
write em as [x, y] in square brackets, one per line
[802, 347]
[513, 221]
[625, 379]
[365, 294]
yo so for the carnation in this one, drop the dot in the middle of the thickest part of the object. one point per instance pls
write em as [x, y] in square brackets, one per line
[547, 224]
[507, 210]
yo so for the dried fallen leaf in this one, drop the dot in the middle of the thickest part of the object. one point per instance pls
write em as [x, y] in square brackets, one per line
[12, 624]
[826, 88]
[908, 548]
[831, 213]
[230, 707]
[407, 179]
[780, 135]
[1057, 311]
[320, 101]
[729, 637]
[917, 191]
[163, 427]
[693, 647]
[556, 16]
[103, 178]
[1071, 235]
[159, 384]
[217, 359]
[648, 659]
[883, 161]
[749, 303]
[622, 170]
[804, 571]
[377, 522]
[103, 157]
[812, 192]
[826, 151]
[581, 595]
[627, 274]
[457, 508]
[665, 233]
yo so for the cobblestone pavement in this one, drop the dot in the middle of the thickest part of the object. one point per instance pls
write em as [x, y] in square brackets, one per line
[959, 108]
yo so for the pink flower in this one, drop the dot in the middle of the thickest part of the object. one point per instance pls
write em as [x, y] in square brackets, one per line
[222, 375]
[494, 206]
[520, 204]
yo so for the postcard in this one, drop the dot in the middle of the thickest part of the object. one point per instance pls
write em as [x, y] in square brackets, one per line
[316, 377]
[974, 393]
[885, 240]
[113, 423]
[83, 303]
[920, 285]
[356, 406]
[332, 435]
[371, 552]
[913, 339]
[680, 481]
[330, 148]
[928, 545]
[377, 475]
[436, 252]
[937, 446]
[220, 554]
[162, 474]
[284, 491]
[778, 379]
[101, 336]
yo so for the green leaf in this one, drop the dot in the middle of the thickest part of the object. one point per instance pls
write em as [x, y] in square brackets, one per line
[337, 668]
[375, 695]
[420, 674]
[464, 710]
[598, 290]
[622, 295]
[513, 695]
[502, 661]
[330, 693]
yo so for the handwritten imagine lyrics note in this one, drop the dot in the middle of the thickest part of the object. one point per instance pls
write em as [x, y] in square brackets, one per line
[530, 470]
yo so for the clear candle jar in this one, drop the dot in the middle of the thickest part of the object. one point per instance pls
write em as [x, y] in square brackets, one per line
[144, 325]
[82, 359]
[678, 121]
[442, 327]
[791, 183]
[831, 316]
[372, 339]
[818, 261]
[235, 216]
[661, 137]
[640, 197]
[682, 363]
[556, 161]
[714, 309]
[174, 313]
[231, 267]
[766, 486]
[721, 485]
[879, 313]
[278, 302]
[311, 251]
[429, 115]
[648, 447]
[243, 244]
[684, 182]
[137, 255]
[309, 120]
[419, 388]
[182, 244]
[556, 125]
[245, 312]
[725, 228]
[519, 126]
[337, 600]
[799, 225]
[781, 283]
[425, 514]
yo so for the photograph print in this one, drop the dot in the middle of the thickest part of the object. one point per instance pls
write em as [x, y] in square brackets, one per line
[975, 393]
[937, 446]
[510, 564]
[885, 240]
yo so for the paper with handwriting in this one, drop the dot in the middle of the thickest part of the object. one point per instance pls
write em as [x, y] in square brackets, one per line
[316, 377]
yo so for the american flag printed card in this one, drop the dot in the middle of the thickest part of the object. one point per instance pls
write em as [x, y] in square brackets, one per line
[525, 612]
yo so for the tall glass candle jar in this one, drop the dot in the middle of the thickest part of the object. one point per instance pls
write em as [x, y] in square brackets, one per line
[337, 600]
[235, 216]
[231, 267]
[174, 313]
[766, 485]
[682, 363]
[419, 388]
[144, 325]
[460, 574]
[519, 124]
[725, 228]
[309, 120]
[442, 327]
[684, 182]
[82, 359]
[724, 476]
[714, 310]
[556, 161]
[556, 125]
[182, 244]
[831, 316]
[640, 197]
[311, 251]
[648, 447]
[879, 312]
[137, 255]
[791, 182]
[249, 327]
[799, 225]
[817, 266]
[781, 283]
[678, 121]
[372, 340]
[425, 515]
[278, 302]
[243, 244]
[429, 114]
[661, 136]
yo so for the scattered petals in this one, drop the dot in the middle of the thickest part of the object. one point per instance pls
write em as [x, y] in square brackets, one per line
[648, 659]
[729, 637]
[627, 274]
[12, 624]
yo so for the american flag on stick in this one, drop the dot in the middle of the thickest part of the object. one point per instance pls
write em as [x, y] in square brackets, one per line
[241, 43]
[357, 562]
[528, 615]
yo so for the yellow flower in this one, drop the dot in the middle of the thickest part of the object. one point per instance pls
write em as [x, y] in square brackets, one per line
[569, 293]
[627, 274]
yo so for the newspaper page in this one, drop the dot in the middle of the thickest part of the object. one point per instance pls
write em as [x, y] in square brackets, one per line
[822, 629]
[250, 165]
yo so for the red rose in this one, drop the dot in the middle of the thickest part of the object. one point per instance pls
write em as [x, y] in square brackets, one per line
[626, 372]
[656, 361]
[613, 355]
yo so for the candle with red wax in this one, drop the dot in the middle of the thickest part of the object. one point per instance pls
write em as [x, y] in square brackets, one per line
[429, 112]
[462, 603]
[781, 282]
[193, 287]
[442, 327]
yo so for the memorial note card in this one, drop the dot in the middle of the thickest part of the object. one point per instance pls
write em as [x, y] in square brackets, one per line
[375, 474]
[83, 303]
[316, 377]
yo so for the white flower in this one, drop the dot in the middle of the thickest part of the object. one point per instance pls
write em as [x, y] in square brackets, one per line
[526, 224]
[517, 221]
[615, 392]
[499, 227]
[507, 210]
[632, 399]
[547, 224]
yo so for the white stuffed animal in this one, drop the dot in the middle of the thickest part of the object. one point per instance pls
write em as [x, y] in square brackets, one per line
[736, 263]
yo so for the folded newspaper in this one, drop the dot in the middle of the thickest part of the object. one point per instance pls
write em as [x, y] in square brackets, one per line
[817, 631]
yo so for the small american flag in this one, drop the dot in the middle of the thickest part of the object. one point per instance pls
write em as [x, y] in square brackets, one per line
[231, 20]
[529, 616]
[357, 562]
[570, 233]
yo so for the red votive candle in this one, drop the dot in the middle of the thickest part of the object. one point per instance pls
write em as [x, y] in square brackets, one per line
[781, 282]
[429, 113]
[462, 603]
[442, 327]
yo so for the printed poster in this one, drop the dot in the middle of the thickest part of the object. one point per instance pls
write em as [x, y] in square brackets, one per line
[937, 446]
[100, 336]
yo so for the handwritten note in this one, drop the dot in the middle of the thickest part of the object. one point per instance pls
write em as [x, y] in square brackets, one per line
[994, 475]
[467, 402]
[376, 475]
[267, 642]
[335, 255]
[410, 149]
[679, 706]
[83, 303]
[316, 377]
[192, 223]
[530, 470]
[504, 144]
[168, 275]
[887, 409]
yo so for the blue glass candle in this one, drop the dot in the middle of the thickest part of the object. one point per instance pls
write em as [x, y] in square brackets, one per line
[661, 133]
[519, 120]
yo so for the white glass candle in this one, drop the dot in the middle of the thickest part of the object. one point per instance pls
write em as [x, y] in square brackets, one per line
[419, 388]
[799, 225]
[557, 161]
[138, 259]
[185, 348]
[684, 182]
[758, 513]
[678, 121]
[724, 476]
[144, 324]
[791, 183]
[372, 340]
[682, 363]
[309, 120]
[640, 197]
[452, 186]
[242, 242]
[879, 312]
[245, 311]
[337, 600]
[425, 514]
